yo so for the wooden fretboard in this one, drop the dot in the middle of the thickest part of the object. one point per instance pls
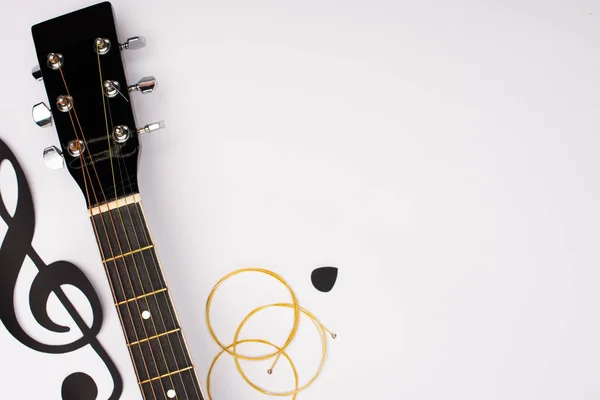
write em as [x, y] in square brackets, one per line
[153, 334]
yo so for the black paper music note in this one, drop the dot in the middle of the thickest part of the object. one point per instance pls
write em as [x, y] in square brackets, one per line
[14, 249]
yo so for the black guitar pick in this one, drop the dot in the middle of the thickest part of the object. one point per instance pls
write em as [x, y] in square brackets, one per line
[323, 279]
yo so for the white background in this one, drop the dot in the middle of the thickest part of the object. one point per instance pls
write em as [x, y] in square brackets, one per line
[442, 154]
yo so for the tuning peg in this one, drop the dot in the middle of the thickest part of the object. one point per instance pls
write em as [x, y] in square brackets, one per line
[151, 127]
[41, 115]
[145, 85]
[36, 72]
[133, 43]
[53, 158]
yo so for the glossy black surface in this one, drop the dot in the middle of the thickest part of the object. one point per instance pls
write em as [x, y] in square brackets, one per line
[73, 35]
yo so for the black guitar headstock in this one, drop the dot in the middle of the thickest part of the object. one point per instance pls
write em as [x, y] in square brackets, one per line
[80, 63]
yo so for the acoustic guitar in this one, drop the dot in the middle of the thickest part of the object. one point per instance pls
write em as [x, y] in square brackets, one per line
[90, 105]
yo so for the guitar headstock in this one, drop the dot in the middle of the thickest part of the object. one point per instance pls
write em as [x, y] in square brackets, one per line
[80, 63]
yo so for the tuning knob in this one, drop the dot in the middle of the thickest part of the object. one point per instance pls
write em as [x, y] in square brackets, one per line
[36, 72]
[53, 158]
[151, 127]
[145, 85]
[133, 43]
[41, 115]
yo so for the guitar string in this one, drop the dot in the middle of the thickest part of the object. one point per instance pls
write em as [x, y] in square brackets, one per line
[323, 335]
[136, 334]
[158, 271]
[102, 94]
[153, 389]
[261, 341]
[233, 352]
[81, 158]
[118, 209]
[152, 288]
[137, 337]
[323, 331]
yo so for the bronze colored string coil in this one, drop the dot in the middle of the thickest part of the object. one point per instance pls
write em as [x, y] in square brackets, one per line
[212, 365]
[292, 332]
[231, 349]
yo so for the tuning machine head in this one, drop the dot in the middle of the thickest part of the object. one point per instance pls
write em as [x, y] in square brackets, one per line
[145, 85]
[64, 47]
[151, 127]
[53, 158]
[41, 115]
[133, 43]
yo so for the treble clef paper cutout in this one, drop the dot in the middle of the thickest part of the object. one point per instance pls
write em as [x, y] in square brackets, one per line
[14, 249]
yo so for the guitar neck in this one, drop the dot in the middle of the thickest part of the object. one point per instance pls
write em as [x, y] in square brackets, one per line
[153, 334]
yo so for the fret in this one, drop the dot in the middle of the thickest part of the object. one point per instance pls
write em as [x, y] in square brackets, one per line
[152, 331]
[182, 382]
[128, 253]
[165, 375]
[153, 337]
[142, 296]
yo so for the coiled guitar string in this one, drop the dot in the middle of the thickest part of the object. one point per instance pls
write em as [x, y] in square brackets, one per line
[231, 349]
[292, 332]
[212, 365]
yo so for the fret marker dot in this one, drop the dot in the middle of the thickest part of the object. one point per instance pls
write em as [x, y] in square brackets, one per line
[171, 394]
[146, 315]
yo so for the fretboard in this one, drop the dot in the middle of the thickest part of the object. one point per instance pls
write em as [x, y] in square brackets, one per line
[153, 334]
